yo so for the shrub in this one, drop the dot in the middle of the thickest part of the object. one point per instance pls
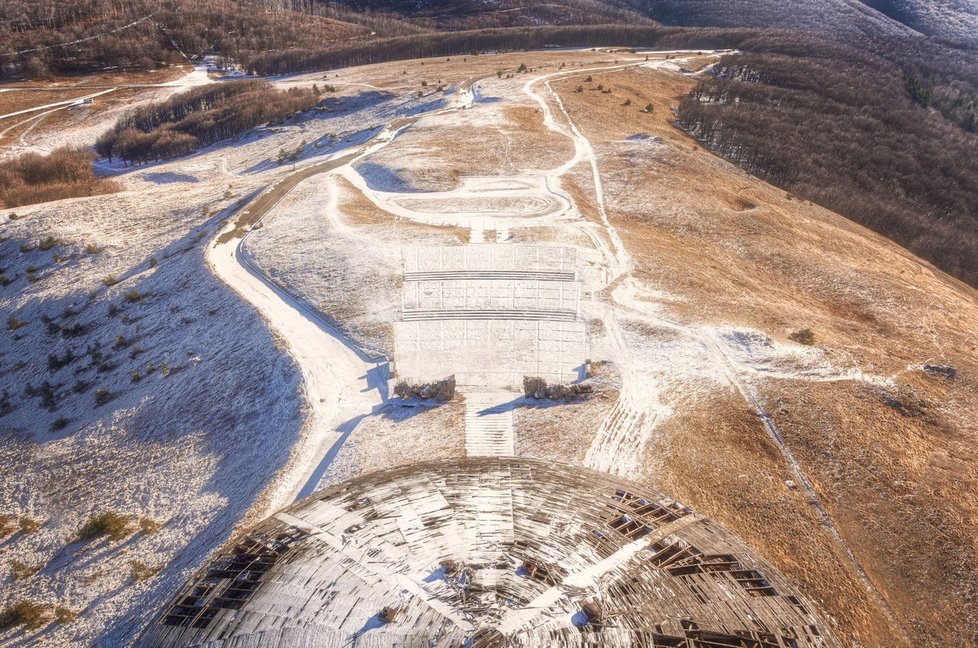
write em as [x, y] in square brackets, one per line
[28, 525]
[7, 525]
[648, 108]
[13, 323]
[13, 216]
[135, 351]
[110, 280]
[120, 343]
[102, 396]
[19, 570]
[627, 102]
[6, 406]
[140, 571]
[133, 296]
[47, 243]
[149, 526]
[81, 386]
[109, 524]
[803, 336]
[26, 613]
[90, 248]
[164, 369]
[4, 280]
[45, 392]
[135, 376]
[60, 423]
[26, 247]
[56, 362]
[64, 615]
[74, 330]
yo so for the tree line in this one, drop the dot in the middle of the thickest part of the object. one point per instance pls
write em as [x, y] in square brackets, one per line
[848, 127]
[492, 40]
[199, 117]
[64, 173]
[39, 38]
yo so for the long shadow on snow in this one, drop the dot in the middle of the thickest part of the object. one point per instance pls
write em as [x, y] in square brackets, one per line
[322, 147]
[226, 404]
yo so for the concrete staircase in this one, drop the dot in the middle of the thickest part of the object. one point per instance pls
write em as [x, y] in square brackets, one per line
[510, 275]
[489, 424]
[523, 315]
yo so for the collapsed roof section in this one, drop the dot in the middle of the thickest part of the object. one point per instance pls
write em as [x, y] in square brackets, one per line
[489, 552]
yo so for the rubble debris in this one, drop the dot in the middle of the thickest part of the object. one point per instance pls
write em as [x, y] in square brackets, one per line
[539, 389]
[442, 391]
[450, 567]
[945, 371]
[595, 615]
[605, 555]
[389, 613]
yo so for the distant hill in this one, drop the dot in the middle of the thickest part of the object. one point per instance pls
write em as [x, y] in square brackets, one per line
[833, 16]
[40, 37]
[950, 19]
[836, 16]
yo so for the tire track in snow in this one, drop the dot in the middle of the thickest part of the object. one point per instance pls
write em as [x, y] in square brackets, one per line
[620, 423]
[340, 384]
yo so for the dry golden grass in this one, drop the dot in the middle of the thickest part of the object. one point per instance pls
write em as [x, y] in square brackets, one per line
[900, 488]
[738, 479]
[547, 431]
[357, 210]
[16, 100]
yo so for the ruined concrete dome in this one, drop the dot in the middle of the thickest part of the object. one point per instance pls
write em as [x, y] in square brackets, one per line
[489, 552]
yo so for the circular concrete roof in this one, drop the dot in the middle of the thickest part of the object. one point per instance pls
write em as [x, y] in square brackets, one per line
[488, 552]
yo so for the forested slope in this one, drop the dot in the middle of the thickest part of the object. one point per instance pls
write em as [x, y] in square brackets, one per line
[950, 19]
[41, 37]
[883, 135]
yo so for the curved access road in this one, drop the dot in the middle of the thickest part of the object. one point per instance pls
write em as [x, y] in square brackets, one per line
[341, 384]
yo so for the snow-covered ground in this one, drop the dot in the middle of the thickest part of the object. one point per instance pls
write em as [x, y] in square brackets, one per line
[276, 337]
[173, 403]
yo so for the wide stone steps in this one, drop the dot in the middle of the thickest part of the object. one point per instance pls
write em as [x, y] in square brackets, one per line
[490, 275]
[488, 426]
[467, 314]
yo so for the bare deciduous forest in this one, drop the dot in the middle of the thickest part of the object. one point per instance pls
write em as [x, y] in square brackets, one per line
[880, 129]
[64, 173]
[196, 118]
[884, 136]
[42, 37]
